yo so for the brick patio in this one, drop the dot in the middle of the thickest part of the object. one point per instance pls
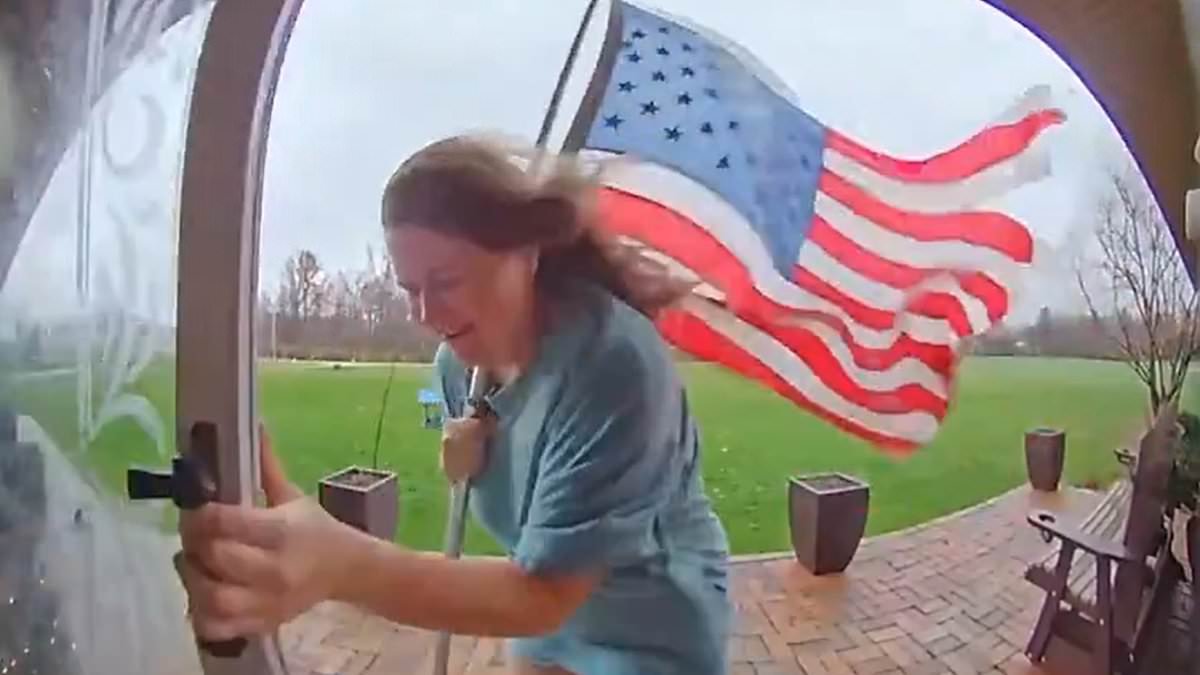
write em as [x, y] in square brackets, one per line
[945, 597]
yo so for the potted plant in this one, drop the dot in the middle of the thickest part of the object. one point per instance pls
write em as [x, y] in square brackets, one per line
[1045, 454]
[365, 498]
[1183, 491]
[828, 516]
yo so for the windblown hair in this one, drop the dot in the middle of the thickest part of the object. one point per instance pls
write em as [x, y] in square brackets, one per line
[475, 188]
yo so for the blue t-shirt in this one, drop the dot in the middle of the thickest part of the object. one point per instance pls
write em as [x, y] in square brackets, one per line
[595, 465]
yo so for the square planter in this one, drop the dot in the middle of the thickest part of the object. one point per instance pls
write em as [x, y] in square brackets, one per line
[22, 515]
[362, 498]
[8, 425]
[22, 488]
[1045, 453]
[828, 516]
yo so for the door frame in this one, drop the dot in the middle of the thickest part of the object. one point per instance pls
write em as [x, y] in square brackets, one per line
[229, 118]
[220, 204]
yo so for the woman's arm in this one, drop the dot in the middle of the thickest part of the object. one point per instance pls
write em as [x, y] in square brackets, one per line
[248, 570]
[469, 596]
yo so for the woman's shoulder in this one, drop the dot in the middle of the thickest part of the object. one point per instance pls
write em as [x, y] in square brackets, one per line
[613, 340]
[445, 362]
[449, 373]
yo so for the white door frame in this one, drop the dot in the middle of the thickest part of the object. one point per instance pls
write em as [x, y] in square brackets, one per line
[218, 256]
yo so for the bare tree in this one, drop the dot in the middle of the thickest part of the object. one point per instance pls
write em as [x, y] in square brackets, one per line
[343, 299]
[338, 314]
[287, 300]
[381, 300]
[304, 289]
[1140, 293]
[1042, 330]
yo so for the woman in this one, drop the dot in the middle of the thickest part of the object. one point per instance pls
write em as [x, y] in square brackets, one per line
[587, 473]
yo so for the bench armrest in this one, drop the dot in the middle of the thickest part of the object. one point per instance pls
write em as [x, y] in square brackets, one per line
[1128, 459]
[1050, 524]
[1125, 456]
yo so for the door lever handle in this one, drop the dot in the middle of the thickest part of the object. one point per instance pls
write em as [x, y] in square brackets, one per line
[187, 485]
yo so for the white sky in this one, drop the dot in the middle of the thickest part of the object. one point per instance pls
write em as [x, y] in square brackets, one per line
[367, 82]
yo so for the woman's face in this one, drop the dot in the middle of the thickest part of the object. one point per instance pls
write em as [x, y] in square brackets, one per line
[478, 300]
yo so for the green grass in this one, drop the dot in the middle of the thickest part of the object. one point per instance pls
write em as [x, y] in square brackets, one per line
[754, 441]
[121, 442]
[323, 419]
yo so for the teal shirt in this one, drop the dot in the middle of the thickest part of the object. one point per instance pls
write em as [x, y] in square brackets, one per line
[596, 464]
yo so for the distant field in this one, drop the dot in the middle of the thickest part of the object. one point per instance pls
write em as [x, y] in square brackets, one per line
[323, 419]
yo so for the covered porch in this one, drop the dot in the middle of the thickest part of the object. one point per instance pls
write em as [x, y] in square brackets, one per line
[945, 597]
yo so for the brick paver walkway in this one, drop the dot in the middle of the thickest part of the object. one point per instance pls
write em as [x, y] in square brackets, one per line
[946, 597]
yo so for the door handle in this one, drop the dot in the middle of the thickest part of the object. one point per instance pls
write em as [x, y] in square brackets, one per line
[188, 486]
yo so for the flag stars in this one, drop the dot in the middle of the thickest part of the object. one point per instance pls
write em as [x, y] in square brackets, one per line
[685, 104]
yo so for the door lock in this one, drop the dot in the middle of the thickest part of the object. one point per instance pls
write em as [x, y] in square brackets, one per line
[189, 486]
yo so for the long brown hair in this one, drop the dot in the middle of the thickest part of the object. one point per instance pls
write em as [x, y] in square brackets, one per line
[473, 187]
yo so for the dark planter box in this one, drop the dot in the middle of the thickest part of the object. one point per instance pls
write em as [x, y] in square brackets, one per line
[362, 498]
[22, 488]
[828, 516]
[1045, 452]
[22, 514]
[8, 425]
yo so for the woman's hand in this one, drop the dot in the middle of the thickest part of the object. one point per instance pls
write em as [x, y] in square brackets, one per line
[275, 482]
[247, 570]
[464, 446]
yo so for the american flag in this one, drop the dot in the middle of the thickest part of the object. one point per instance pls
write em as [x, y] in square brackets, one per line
[839, 276]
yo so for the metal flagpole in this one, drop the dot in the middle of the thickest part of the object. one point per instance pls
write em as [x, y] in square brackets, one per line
[476, 404]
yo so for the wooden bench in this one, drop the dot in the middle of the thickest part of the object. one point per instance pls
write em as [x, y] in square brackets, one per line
[1104, 525]
[1107, 521]
[1101, 576]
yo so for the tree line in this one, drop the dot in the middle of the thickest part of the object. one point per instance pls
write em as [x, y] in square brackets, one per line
[1068, 335]
[355, 315]
[1141, 305]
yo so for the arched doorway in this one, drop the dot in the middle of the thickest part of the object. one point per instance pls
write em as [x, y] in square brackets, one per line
[230, 110]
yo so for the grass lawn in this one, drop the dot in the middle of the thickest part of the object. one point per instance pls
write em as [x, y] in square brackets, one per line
[323, 419]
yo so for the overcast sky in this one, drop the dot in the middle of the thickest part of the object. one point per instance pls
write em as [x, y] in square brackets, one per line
[367, 82]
